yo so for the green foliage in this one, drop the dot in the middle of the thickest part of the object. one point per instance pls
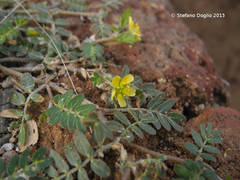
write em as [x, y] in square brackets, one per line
[24, 166]
[70, 111]
[27, 82]
[75, 5]
[17, 98]
[92, 51]
[205, 143]
[151, 110]
[108, 5]
[10, 31]
[96, 79]
[194, 170]
[102, 29]
[22, 134]
[153, 167]
[204, 146]
[154, 116]
[71, 152]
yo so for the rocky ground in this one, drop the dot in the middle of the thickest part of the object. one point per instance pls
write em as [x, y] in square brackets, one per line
[221, 37]
[177, 60]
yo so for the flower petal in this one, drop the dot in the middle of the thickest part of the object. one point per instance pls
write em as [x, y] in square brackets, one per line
[126, 79]
[113, 93]
[116, 81]
[138, 32]
[130, 24]
[129, 91]
[121, 100]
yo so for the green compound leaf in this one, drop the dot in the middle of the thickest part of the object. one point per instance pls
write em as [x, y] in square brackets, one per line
[208, 157]
[72, 155]
[12, 165]
[115, 126]
[209, 128]
[210, 174]
[174, 125]
[211, 149]
[100, 168]
[164, 121]
[147, 128]
[96, 79]
[37, 98]
[203, 131]
[59, 161]
[138, 132]
[82, 144]
[102, 30]
[101, 131]
[98, 133]
[27, 82]
[61, 22]
[124, 18]
[177, 117]
[70, 111]
[182, 172]
[126, 37]
[63, 32]
[23, 159]
[92, 51]
[125, 71]
[52, 172]
[128, 135]
[122, 118]
[156, 101]
[197, 138]
[191, 165]
[17, 98]
[85, 108]
[215, 140]
[217, 133]
[8, 31]
[22, 134]
[82, 174]
[191, 148]
[167, 105]
[39, 154]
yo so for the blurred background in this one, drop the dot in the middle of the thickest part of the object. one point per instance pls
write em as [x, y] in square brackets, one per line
[221, 37]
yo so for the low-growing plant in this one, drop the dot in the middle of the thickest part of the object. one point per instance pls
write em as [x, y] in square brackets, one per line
[36, 35]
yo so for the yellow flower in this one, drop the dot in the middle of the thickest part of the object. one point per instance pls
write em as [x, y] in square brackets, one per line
[122, 88]
[134, 28]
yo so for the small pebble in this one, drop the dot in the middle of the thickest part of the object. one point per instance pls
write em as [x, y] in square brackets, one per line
[8, 146]
[17, 149]
[202, 106]
[8, 155]
[12, 140]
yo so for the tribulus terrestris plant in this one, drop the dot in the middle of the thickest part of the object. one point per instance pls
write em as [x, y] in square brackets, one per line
[35, 34]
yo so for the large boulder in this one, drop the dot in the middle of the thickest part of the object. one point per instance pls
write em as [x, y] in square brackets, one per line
[171, 55]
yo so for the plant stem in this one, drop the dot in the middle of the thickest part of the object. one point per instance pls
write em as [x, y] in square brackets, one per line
[107, 110]
[6, 70]
[62, 12]
[153, 153]
[72, 13]
[14, 59]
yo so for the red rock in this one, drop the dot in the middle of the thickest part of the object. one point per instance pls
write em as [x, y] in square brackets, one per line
[223, 118]
[169, 50]
[228, 121]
